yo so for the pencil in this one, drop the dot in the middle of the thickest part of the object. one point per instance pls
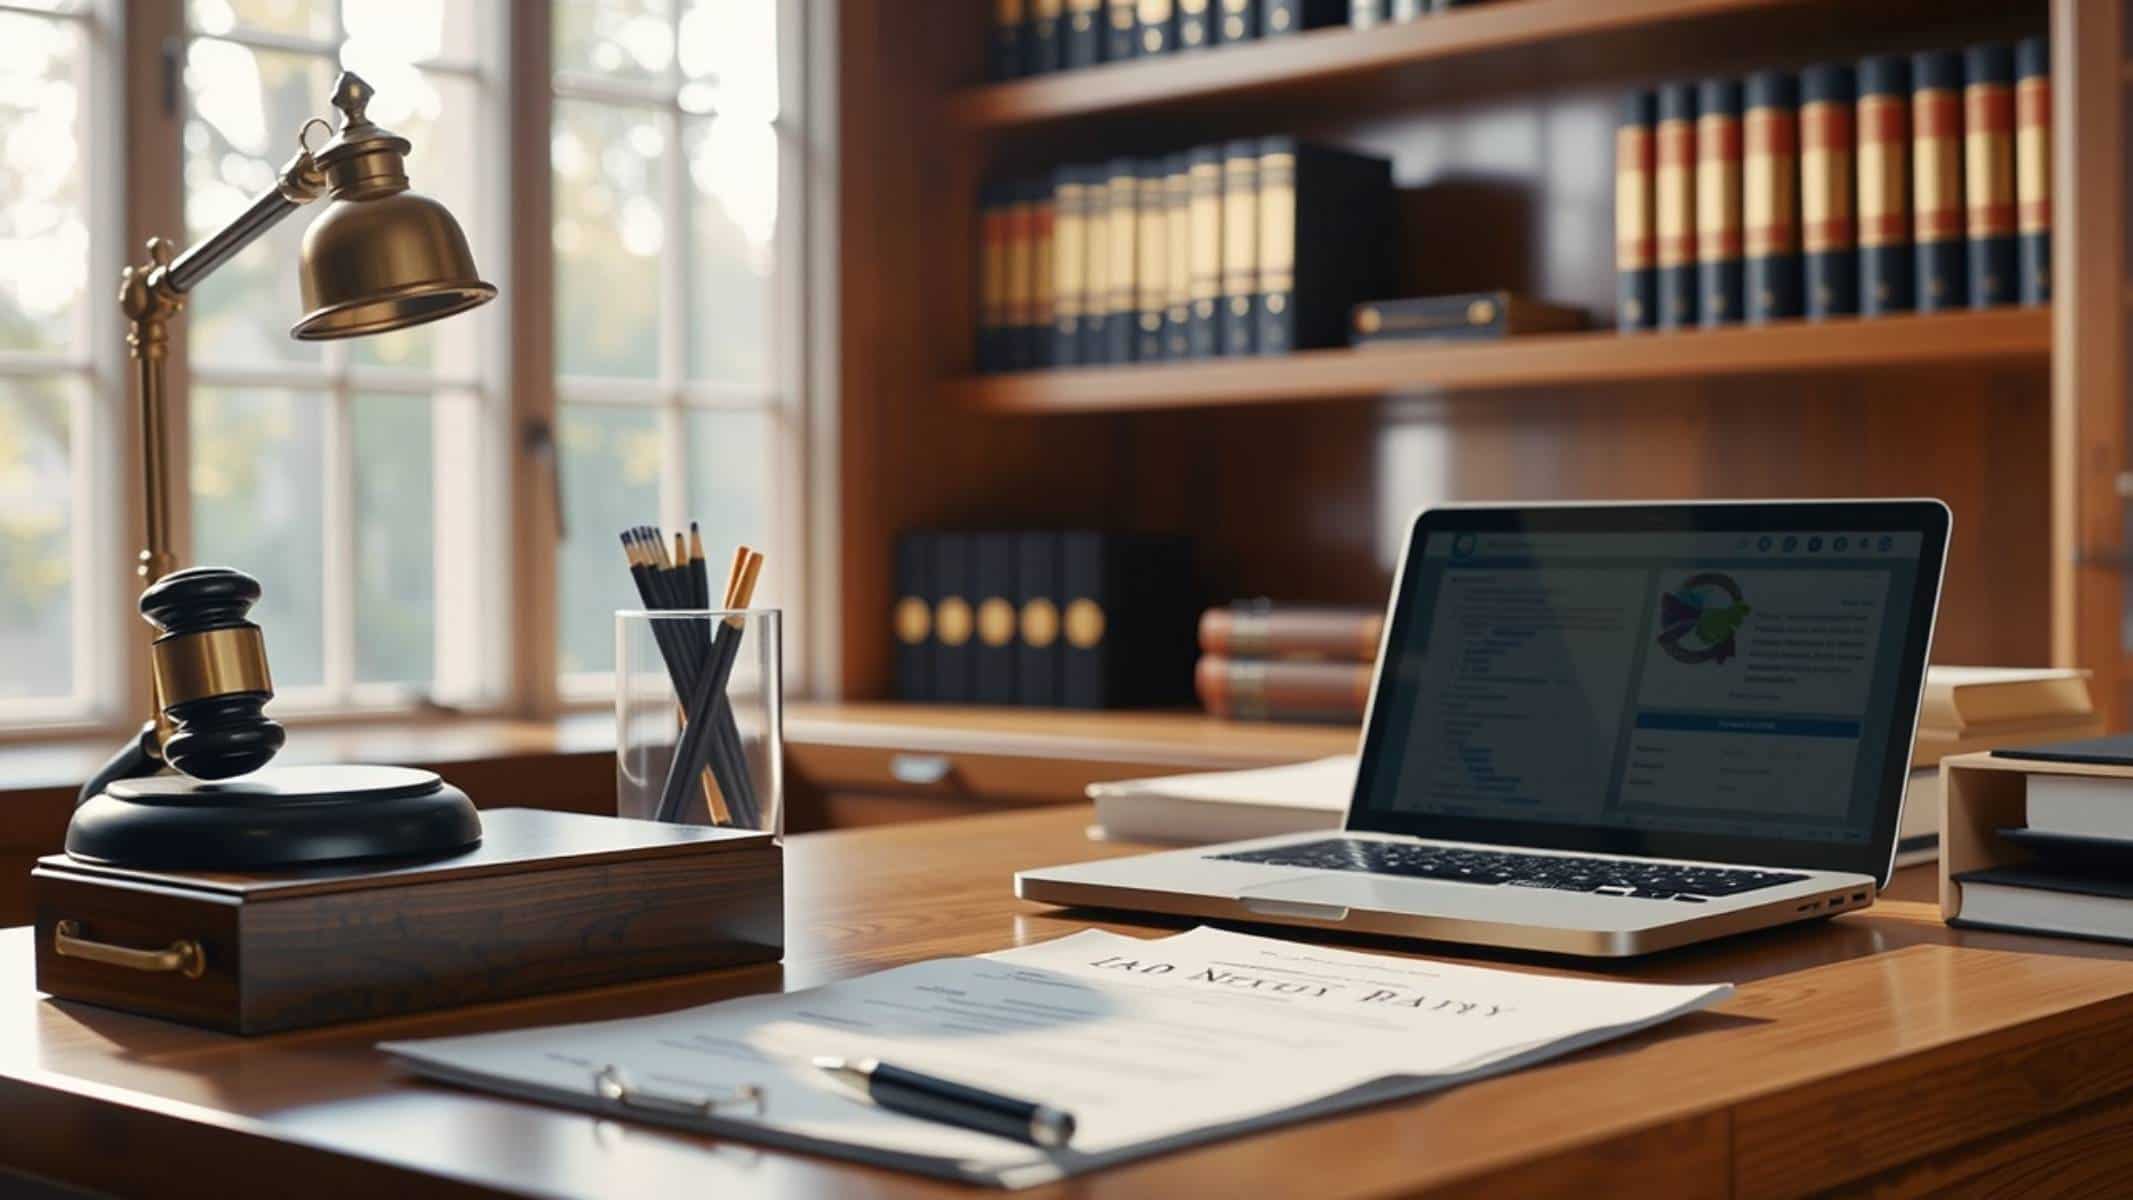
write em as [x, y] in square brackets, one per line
[705, 700]
[672, 647]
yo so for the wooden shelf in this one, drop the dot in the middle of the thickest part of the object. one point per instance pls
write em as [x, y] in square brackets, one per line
[1941, 339]
[1506, 43]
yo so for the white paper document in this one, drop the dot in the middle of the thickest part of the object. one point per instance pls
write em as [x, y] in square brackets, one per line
[1151, 1044]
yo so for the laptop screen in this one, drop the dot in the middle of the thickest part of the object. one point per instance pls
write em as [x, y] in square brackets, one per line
[1732, 682]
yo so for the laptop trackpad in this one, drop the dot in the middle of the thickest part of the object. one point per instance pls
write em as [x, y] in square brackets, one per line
[1374, 892]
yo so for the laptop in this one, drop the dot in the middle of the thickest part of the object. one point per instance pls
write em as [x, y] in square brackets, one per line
[1605, 730]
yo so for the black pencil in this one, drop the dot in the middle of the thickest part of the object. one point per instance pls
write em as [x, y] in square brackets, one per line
[673, 646]
[698, 739]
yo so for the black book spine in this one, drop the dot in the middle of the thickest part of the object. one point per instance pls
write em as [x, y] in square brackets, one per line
[1084, 33]
[1096, 265]
[992, 278]
[994, 654]
[1177, 242]
[1829, 235]
[1770, 195]
[1240, 247]
[1279, 18]
[1151, 275]
[1043, 244]
[954, 618]
[1037, 599]
[1636, 275]
[912, 618]
[2033, 167]
[1070, 248]
[1886, 278]
[1204, 178]
[1158, 28]
[1674, 205]
[1122, 183]
[1236, 21]
[1718, 202]
[1937, 226]
[1325, 242]
[1017, 352]
[1989, 173]
[1045, 50]
[1003, 58]
[1121, 31]
[1088, 577]
[1196, 24]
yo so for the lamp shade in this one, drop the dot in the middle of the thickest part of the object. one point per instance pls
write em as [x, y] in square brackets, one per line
[380, 257]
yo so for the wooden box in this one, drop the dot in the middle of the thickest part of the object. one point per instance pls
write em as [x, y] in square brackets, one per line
[1980, 795]
[548, 902]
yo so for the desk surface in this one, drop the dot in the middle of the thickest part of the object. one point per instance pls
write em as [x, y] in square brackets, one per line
[1881, 1047]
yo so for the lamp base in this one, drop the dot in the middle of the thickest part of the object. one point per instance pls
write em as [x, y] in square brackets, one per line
[281, 816]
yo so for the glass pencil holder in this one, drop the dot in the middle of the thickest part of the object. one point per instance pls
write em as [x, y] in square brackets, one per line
[699, 718]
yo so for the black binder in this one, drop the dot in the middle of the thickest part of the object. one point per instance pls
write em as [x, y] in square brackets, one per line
[1326, 242]
[1236, 21]
[1038, 603]
[1085, 33]
[1121, 30]
[1239, 322]
[993, 649]
[954, 618]
[911, 617]
[1003, 50]
[1281, 17]
[1045, 48]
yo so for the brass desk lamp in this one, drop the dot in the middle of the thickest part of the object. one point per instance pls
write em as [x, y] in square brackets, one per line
[380, 258]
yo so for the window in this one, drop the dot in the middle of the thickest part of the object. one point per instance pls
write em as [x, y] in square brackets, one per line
[58, 367]
[341, 473]
[369, 483]
[675, 172]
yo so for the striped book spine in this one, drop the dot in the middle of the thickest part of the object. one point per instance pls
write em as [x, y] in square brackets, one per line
[1718, 201]
[1937, 222]
[1989, 173]
[1674, 204]
[1070, 264]
[2033, 167]
[1829, 236]
[1636, 280]
[1043, 230]
[1884, 166]
[1770, 195]
[1015, 291]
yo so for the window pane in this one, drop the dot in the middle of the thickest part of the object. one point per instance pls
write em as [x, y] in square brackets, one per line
[36, 591]
[246, 108]
[300, 18]
[409, 31]
[395, 567]
[626, 39]
[730, 470]
[733, 167]
[259, 506]
[44, 239]
[439, 115]
[729, 51]
[610, 459]
[609, 232]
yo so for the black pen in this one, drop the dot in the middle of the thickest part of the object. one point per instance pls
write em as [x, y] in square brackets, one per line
[931, 1098]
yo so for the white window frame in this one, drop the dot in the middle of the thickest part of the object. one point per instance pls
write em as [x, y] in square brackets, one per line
[98, 409]
[672, 394]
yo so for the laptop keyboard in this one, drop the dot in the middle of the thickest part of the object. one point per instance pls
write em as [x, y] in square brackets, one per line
[1509, 868]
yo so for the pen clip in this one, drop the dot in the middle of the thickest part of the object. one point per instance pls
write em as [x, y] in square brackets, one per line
[613, 1085]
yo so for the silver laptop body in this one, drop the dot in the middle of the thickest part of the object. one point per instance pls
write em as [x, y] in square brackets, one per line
[1750, 773]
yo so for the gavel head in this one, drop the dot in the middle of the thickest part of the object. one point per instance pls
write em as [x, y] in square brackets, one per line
[211, 672]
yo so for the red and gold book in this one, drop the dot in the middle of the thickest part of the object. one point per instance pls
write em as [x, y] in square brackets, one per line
[1770, 196]
[1989, 172]
[1636, 282]
[1270, 690]
[1829, 232]
[1718, 201]
[1938, 226]
[1260, 630]
[2033, 168]
[1886, 277]
[1674, 205]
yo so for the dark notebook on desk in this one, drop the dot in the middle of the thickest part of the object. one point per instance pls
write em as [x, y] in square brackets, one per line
[2113, 751]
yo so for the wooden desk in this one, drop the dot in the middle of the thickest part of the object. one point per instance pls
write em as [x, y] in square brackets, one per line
[1880, 1051]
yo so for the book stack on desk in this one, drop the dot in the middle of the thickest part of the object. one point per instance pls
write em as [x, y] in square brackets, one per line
[2053, 852]
[1254, 246]
[1260, 661]
[1900, 183]
[1044, 618]
[1968, 709]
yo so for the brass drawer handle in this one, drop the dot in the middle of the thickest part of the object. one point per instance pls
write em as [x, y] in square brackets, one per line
[185, 957]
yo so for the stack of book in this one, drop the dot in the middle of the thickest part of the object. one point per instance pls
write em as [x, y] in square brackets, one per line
[2067, 868]
[1037, 37]
[1904, 182]
[1265, 662]
[1256, 246]
[1967, 709]
[1075, 619]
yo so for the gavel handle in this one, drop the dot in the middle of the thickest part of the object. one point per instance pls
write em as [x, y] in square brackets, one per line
[134, 759]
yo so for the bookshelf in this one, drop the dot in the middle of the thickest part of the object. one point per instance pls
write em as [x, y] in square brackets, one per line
[2008, 336]
[1295, 475]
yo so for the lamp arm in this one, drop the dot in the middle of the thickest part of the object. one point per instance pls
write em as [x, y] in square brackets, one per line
[299, 184]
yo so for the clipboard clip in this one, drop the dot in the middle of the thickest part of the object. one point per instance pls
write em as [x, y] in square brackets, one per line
[613, 1085]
